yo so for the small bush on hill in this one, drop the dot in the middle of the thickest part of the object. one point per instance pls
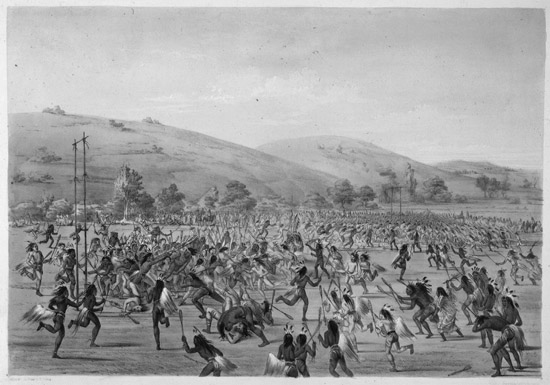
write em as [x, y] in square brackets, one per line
[42, 155]
[19, 177]
[151, 121]
[56, 110]
[114, 123]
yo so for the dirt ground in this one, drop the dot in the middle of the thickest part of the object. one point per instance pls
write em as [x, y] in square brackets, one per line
[129, 349]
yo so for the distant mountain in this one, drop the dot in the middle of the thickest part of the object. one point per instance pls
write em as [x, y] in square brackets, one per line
[361, 162]
[479, 167]
[468, 167]
[517, 177]
[41, 159]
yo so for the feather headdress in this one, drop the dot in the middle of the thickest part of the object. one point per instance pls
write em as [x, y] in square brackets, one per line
[365, 256]
[421, 285]
[511, 296]
[288, 329]
[347, 291]
[299, 266]
[476, 270]
[60, 289]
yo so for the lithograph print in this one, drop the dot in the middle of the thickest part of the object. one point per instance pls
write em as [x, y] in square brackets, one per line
[275, 192]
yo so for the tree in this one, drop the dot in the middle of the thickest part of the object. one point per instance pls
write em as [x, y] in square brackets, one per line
[412, 180]
[145, 203]
[386, 192]
[436, 190]
[366, 194]
[493, 188]
[210, 201]
[535, 181]
[238, 196]
[59, 207]
[47, 200]
[527, 183]
[128, 186]
[387, 189]
[170, 199]
[505, 186]
[482, 182]
[343, 193]
[235, 191]
[316, 201]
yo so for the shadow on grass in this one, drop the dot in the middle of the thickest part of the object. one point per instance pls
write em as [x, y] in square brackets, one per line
[531, 348]
[120, 344]
[28, 344]
[403, 371]
[467, 337]
[169, 350]
[86, 358]
[518, 374]
[374, 295]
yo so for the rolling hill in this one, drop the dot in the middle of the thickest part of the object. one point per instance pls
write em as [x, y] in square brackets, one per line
[361, 162]
[40, 151]
[41, 160]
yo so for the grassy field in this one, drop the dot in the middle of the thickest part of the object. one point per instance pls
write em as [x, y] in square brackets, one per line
[129, 349]
[489, 208]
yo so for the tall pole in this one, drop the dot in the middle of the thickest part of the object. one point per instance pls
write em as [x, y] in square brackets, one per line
[76, 218]
[391, 204]
[85, 217]
[400, 188]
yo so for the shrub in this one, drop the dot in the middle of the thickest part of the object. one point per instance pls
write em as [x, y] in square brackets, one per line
[25, 209]
[59, 207]
[19, 177]
[157, 150]
[418, 198]
[56, 110]
[514, 201]
[114, 123]
[42, 155]
[151, 121]
[461, 198]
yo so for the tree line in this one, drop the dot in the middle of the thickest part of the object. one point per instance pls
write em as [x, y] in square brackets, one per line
[130, 196]
[491, 187]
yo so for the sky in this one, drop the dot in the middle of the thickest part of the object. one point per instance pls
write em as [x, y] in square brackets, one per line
[432, 84]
